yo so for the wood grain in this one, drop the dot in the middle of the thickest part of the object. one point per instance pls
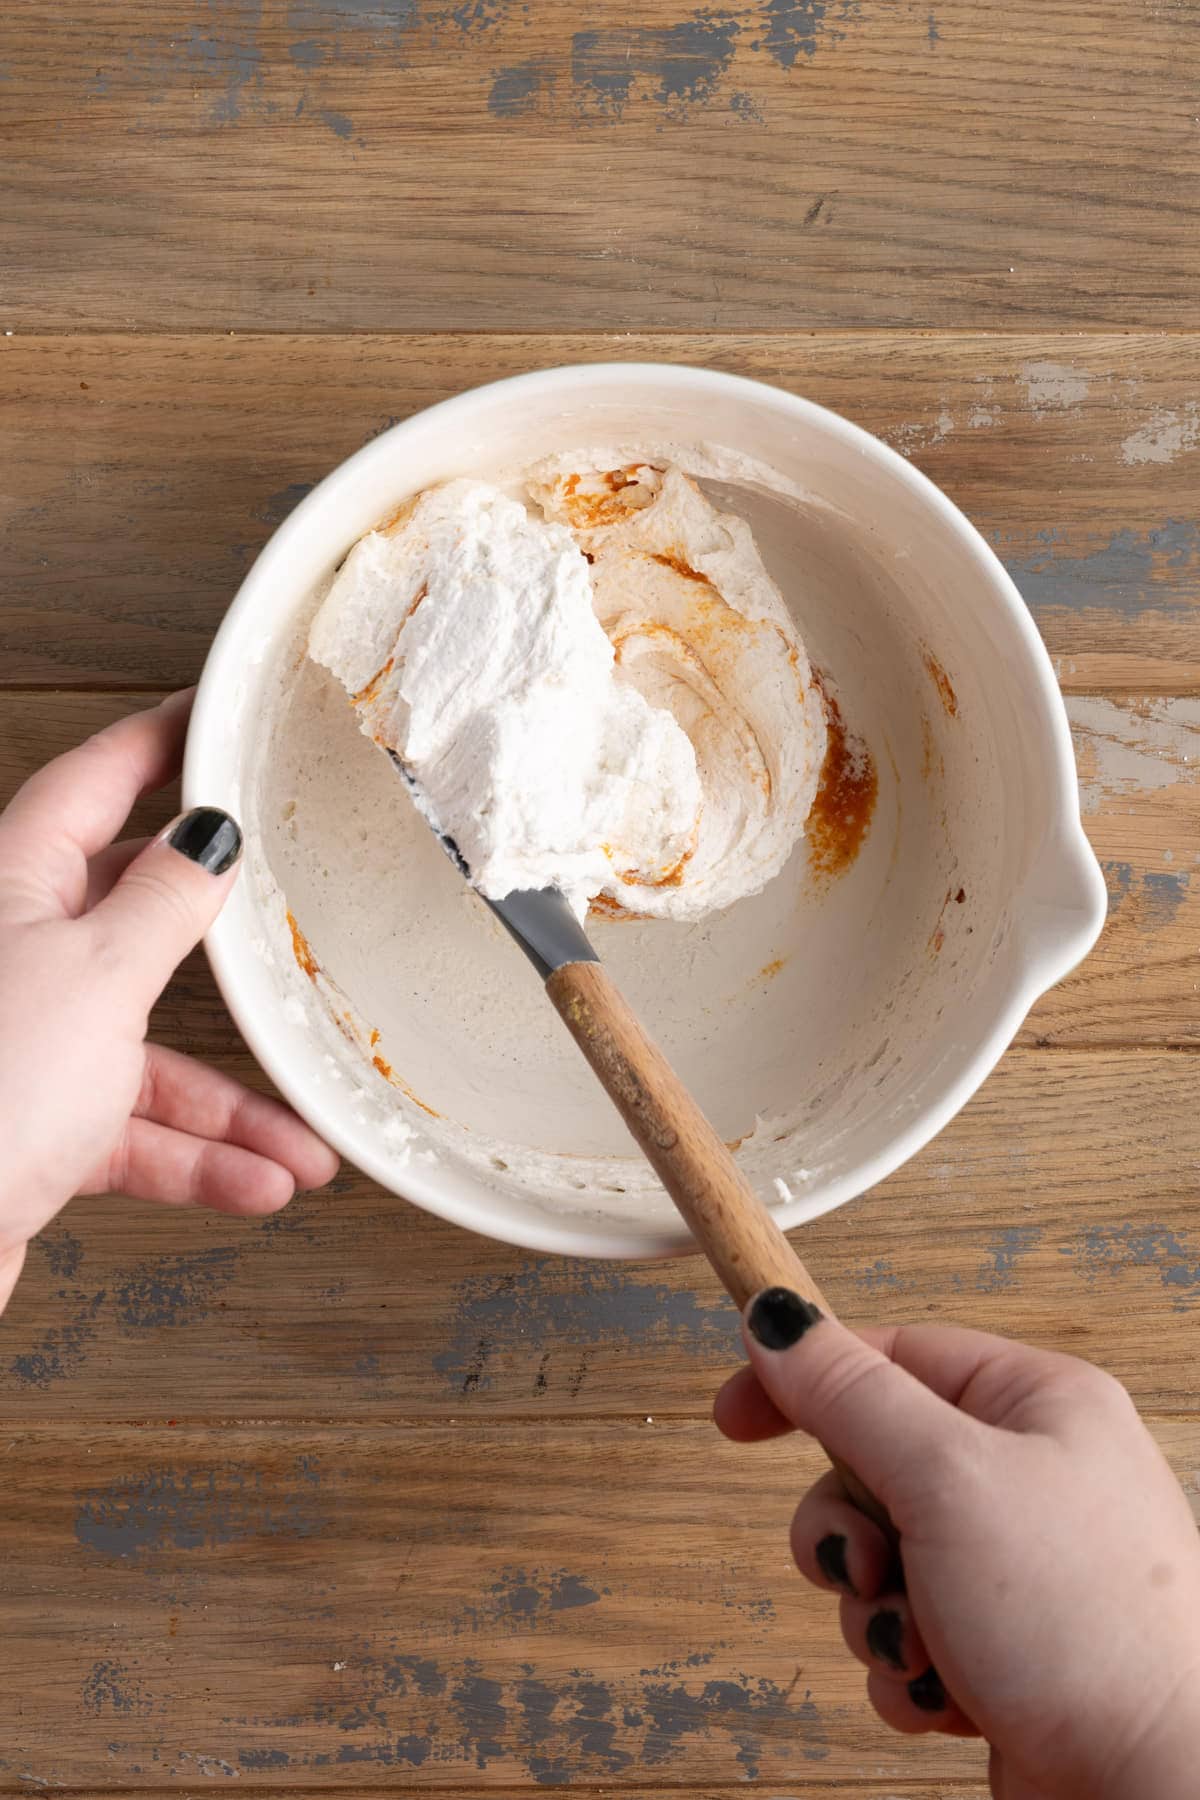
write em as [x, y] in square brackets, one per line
[1139, 761]
[427, 1608]
[746, 1248]
[1139, 765]
[1058, 1207]
[1064, 1191]
[142, 474]
[349, 1499]
[849, 1789]
[316, 165]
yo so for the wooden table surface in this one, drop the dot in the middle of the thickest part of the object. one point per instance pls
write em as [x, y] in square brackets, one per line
[350, 1499]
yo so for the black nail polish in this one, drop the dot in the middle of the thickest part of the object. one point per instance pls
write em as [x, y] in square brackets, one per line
[927, 1692]
[885, 1638]
[893, 1581]
[831, 1560]
[779, 1318]
[209, 837]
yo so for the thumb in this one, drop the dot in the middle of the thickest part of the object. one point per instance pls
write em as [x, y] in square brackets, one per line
[167, 898]
[865, 1409]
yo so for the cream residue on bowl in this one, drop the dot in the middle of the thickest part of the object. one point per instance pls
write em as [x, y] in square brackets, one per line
[433, 1023]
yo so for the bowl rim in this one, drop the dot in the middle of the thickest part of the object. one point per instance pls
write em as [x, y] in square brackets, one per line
[1077, 918]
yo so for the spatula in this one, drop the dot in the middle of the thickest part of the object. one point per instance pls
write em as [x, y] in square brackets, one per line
[724, 1214]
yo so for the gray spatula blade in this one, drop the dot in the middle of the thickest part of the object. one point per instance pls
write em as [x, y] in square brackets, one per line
[539, 919]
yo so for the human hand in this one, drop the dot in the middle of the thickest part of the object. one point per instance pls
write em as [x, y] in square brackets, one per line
[90, 932]
[1050, 1595]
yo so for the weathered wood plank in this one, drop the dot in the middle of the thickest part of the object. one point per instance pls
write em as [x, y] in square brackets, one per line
[488, 1588]
[1139, 761]
[1066, 1189]
[431, 1607]
[1139, 766]
[142, 474]
[1062, 1198]
[849, 1789]
[319, 164]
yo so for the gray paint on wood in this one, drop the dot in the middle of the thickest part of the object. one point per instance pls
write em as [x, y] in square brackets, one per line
[1164, 894]
[1104, 1250]
[174, 1290]
[161, 1511]
[683, 63]
[516, 89]
[1130, 574]
[549, 1307]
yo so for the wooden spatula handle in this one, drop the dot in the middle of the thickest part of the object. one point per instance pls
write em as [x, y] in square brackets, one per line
[730, 1223]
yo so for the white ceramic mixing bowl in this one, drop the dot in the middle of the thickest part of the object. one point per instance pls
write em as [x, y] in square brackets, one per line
[832, 1025]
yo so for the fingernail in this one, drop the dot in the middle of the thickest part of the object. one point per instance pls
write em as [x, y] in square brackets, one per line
[831, 1560]
[779, 1318]
[885, 1640]
[927, 1692]
[207, 836]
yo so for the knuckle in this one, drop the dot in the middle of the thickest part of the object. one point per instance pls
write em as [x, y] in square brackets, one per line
[846, 1373]
[814, 1504]
[105, 748]
[166, 897]
[97, 748]
[117, 1171]
[145, 1104]
[1109, 1393]
[954, 1475]
[197, 1184]
[1082, 1385]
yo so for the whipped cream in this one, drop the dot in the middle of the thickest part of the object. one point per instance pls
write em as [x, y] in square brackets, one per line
[611, 699]
[700, 628]
[465, 633]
